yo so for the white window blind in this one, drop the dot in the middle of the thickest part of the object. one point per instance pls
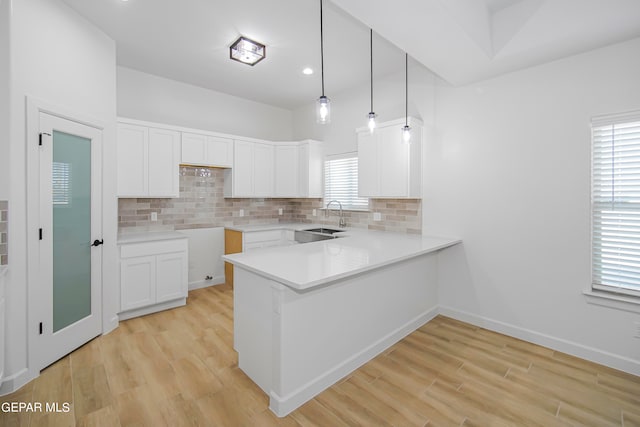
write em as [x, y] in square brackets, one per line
[61, 183]
[341, 182]
[615, 194]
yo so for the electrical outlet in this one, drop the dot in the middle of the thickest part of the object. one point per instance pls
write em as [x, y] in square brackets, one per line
[241, 212]
[154, 216]
[279, 211]
[377, 216]
[315, 213]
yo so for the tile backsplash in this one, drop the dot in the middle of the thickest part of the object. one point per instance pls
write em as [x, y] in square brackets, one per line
[4, 232]
[202, 204]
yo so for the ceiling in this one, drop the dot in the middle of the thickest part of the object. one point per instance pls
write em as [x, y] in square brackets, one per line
[465, 41]
[462, 41]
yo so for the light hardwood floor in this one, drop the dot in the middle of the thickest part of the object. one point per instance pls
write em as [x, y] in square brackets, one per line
[178, 368]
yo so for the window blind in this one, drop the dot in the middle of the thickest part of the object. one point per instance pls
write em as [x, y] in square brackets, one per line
[341, 183]
[615, 193]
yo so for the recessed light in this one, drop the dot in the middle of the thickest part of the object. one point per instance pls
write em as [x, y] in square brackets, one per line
[307, 71]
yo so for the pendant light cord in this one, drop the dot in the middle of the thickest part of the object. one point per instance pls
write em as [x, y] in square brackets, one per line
[321, 49]
[371, 65]
[406, 89]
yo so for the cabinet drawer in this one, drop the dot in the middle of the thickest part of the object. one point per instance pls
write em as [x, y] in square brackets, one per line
[153, 248]
[262, 236]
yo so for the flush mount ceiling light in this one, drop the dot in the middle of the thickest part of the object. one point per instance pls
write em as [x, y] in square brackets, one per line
[247, 51]
[323, 105]
[307, 71]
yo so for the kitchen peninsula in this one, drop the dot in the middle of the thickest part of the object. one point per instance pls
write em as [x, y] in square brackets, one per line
[306, 315]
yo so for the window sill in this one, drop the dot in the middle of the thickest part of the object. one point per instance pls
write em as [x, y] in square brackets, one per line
[346, 210]
[610, 300]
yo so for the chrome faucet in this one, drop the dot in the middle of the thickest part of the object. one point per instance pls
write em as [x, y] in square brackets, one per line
[342, 223]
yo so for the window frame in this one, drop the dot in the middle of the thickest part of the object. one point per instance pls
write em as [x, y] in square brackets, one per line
[626, 292]
[358, 207]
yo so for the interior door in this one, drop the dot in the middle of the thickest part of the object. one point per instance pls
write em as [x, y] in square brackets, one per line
[70, 237]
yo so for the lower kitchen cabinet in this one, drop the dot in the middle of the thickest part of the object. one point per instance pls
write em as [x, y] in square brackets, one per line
[153, 276]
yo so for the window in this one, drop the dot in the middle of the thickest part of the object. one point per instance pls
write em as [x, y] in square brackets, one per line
[341, 182]
[615, 199]
[61, 183]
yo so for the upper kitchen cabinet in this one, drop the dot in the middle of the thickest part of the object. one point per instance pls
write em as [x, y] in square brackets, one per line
[252, 173]
[298, 169]
[206, 150]
[388, 167]
[286, 170]
[148, 161]
[310, 169]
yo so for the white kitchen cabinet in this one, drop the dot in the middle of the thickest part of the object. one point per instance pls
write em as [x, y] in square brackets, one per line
[3, 331]
[148, 161]
[387, 166]
[206, 150]
[252, 174]
[286, 170]
[310, 169]
[263, 168]
[153, 276]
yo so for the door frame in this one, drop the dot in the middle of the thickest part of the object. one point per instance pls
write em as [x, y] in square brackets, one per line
[34, 108]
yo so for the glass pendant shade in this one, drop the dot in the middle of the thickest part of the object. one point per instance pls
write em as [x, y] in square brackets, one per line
[406, 134]
[372, 121]
[323, 110]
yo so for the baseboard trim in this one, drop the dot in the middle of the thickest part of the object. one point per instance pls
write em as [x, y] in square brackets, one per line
[152, 309]
[575, 349]
[283, 405]
[217, 280]
[14, 382]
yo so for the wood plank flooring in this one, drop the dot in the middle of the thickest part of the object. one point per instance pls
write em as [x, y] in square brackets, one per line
[178, 368]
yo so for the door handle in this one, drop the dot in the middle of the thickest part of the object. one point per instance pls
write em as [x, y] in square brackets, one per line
[97, 242]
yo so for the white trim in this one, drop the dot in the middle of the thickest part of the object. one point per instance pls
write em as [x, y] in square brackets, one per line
[198, 284]
[612, 300]
[35, 107]
[611, 119]
[137, 312]
[615, 361]
[283, 405]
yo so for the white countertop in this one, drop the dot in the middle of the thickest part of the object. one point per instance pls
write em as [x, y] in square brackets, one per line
[151, 236]
[307, 265]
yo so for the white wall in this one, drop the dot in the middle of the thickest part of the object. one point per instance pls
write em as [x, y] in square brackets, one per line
[60, 58]
[510, 175]
[350, 109]
[147, 97]
[4, 99]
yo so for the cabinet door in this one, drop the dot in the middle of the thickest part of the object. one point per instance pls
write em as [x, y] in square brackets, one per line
[171, 278]
[164, 162]
[133, 160]
[193, 149]
[263, 170]
[137, 282]
[219, 152]
[286, 171]
[243, 169]
[393, 158]
[368, 169]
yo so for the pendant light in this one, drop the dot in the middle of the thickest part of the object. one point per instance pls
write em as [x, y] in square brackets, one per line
[323, 106]
[372, 115]
[406, 130]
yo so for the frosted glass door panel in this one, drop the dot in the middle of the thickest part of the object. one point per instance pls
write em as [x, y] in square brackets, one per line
[71, 181]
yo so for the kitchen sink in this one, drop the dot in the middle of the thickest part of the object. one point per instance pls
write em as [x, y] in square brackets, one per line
[324, 230]
[306, 236]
